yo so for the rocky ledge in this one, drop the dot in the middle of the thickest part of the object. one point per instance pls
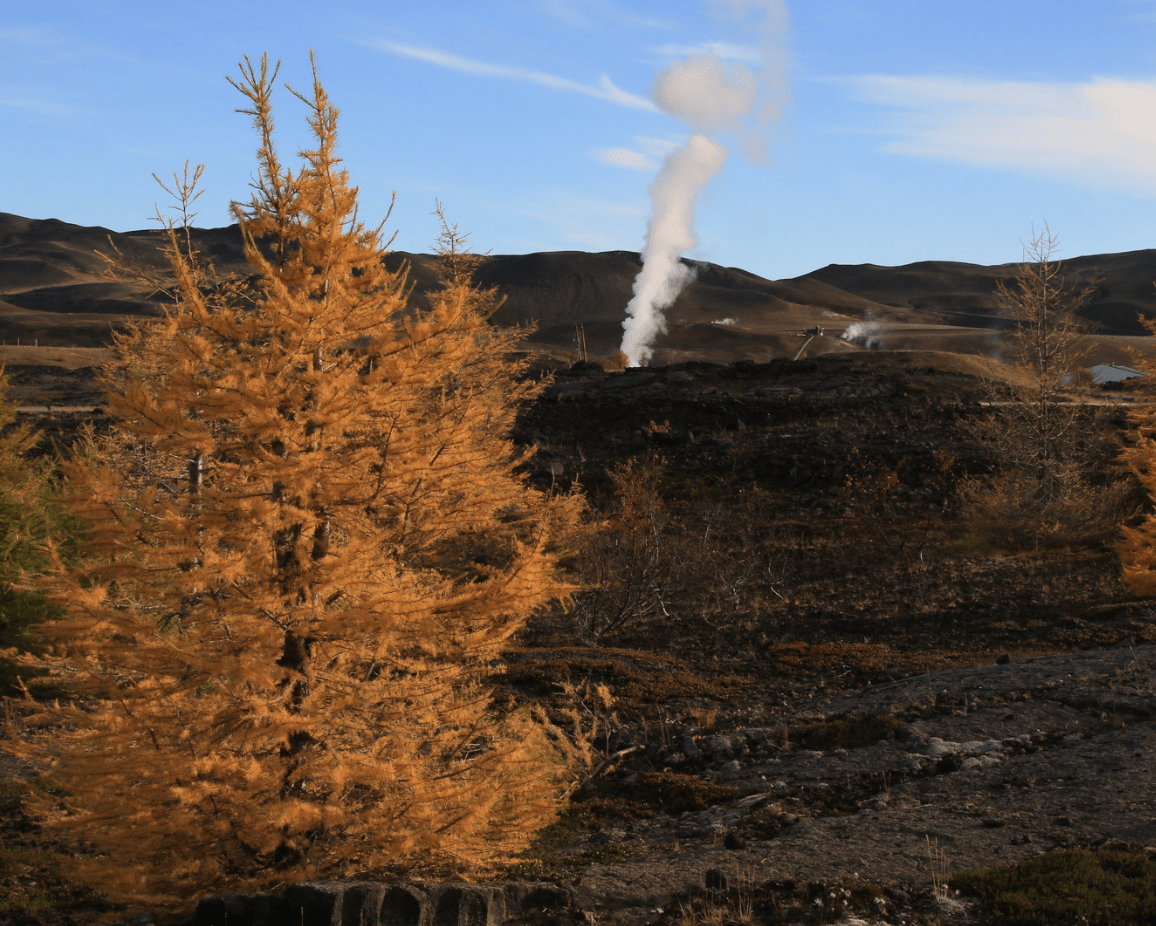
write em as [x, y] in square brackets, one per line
[336, 903]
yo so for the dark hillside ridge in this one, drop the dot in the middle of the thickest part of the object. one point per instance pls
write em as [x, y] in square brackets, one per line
[1122, 286]
[53, 289]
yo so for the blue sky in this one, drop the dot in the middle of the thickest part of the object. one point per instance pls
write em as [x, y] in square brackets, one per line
[910, 130]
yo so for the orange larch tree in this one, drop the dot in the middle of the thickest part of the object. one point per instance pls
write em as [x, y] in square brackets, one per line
[309, 544]
[1137, 543]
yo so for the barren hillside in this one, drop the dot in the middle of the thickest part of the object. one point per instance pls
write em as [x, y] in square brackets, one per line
[54, 291]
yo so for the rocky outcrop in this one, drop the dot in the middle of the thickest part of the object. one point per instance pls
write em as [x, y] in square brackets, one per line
[991, 764]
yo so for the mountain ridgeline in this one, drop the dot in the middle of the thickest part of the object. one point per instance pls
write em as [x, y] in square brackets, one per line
[54, 290]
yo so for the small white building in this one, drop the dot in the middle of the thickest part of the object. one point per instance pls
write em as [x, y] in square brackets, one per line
[1112, 373]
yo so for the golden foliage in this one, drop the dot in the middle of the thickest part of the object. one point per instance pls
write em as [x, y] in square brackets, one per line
[310, 543]
[1137, 544]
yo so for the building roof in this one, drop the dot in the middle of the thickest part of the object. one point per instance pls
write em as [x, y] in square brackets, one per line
[1112, 373]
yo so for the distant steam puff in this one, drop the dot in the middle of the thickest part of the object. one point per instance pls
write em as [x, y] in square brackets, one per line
[865, 334]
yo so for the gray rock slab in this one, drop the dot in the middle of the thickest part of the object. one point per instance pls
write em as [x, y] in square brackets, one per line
[404, 905]
[361, 903]
[232, 909]
[467, 904]
[314, 903]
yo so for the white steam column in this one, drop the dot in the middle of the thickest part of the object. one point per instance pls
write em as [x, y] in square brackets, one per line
[710, 96]
[684, 173]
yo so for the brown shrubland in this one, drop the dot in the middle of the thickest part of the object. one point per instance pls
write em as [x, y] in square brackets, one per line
[308, 544]
[1048, 438]
[627, 557]
[1137, 545]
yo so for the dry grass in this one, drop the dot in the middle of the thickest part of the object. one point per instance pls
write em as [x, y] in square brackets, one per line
[72, 358]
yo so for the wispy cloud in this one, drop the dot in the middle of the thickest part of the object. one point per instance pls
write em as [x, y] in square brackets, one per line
[1100, 132]
[39, 54]
[656, 147]
[727, 51]
[626, 157]
[605, 89]
[646, 155]
[608, 91]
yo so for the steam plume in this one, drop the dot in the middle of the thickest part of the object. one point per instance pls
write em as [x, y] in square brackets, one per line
[866, 334]
[684, 172]
[710, 96]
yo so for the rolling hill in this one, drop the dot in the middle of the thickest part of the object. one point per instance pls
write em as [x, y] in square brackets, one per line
[54, 290]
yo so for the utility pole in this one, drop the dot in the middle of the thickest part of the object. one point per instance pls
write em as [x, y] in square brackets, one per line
[580, 344]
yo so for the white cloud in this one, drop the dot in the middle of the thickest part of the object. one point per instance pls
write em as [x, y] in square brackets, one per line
[1100, 132]
[727, 51]
[657, 147]
[626, 157]
[608, 91]
[605, 89]
[647, 155]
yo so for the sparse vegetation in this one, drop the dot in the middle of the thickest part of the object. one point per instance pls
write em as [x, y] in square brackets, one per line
[1048, 437]
[1108, 887]
[629, 568]
[29, 514]
[1137, 545]
[843, 732]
